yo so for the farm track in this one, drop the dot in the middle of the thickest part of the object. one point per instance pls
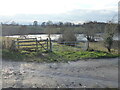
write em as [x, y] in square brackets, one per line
[93, 73]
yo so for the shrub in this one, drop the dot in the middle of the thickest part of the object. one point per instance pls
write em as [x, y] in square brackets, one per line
[68, 38]
[7, 43]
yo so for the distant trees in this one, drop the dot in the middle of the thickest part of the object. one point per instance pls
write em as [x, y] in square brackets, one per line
[35, 23]
[43, 24]
[89, 29]
[60, 23]
[22, 30]
[49, 23]
[13, 23]
[68, 24]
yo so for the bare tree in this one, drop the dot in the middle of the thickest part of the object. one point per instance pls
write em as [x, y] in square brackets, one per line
[108, 35]
[90, 30]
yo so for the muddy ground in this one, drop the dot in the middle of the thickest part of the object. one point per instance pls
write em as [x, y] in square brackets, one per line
[93, 73]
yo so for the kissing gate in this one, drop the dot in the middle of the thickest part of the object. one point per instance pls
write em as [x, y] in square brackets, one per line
[32, 44]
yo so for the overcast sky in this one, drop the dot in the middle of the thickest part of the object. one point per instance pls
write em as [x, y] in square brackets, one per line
[26, 11]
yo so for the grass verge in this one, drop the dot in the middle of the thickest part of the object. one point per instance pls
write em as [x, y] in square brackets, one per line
[55, 56]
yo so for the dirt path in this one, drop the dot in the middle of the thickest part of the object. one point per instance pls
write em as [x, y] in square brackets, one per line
[90, 74]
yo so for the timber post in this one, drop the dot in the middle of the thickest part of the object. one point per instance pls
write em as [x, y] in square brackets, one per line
[50, 45]
[17, 43]
[36, 45]
[47, 43]
[13, 46]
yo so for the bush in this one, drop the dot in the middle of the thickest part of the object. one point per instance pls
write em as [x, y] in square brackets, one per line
[61, 40]
[68, 38]
[7, 42]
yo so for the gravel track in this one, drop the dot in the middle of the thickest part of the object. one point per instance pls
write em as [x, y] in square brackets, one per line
[93, 73]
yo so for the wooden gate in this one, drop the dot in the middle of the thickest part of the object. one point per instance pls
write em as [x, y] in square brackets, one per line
[32, 44]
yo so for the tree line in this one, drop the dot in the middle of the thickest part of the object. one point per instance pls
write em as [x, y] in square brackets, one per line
[55, 28]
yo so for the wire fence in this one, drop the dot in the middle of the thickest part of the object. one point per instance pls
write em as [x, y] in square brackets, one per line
[69, 46]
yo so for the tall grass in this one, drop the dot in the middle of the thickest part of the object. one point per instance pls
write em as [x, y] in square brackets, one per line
[6, 42]
[100, 46]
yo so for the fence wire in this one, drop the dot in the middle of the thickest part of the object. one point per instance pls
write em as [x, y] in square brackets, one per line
[69, 46]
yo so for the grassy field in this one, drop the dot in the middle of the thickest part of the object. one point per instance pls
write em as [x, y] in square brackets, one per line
[61, 53]
[100, 46]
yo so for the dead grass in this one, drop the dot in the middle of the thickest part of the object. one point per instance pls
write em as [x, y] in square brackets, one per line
[6, 42]
[100, 46]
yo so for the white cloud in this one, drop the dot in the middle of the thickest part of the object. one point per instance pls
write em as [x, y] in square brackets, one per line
[12, 7]
[78, 15]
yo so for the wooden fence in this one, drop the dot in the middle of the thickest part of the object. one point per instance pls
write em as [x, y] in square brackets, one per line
[32, 44]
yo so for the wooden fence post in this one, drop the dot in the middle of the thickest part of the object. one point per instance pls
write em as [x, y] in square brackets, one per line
[18, 43]
[3, 44]
[86, 46]
[36, 45]
[47, 43]
[13, 47]
[50, 45]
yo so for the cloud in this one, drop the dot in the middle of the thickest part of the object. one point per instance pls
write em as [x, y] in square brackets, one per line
[78, 15]
[13, 7]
